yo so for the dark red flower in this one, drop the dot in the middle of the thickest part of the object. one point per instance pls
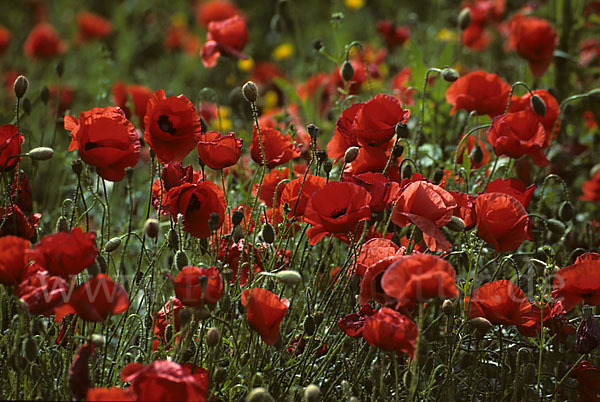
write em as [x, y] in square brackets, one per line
[514, 187]
[41, 292]
[485, 93]
[196, 202]
[24, 197]
[588, 377]
[264, 311]
[10, 145]
[227, 36]
[383, 191]
[195, 286]
[392, 34]
[552, 110]
[279, 148]
[518, 134]
[535, 40]
[109, 394]
[172, 175]
[428, 206]
[15, 223]
[353, 324]
[105, 139]
[578, 282]
[66, 254]
[215, 10]
[237, 257]
[370, 283]
[503, 303]
[92, 26]
[169, 314]
[171, 126]
[296, 201]
[79, 379]
[5, 36]
[43, 42]
[418, 277]
[591, 188]
[401, 86]
[137, 95]
[336, 208]
[219, 151]
[298, 345]
[588, 335]
[389, 330]
[501, 220]
[13, 263]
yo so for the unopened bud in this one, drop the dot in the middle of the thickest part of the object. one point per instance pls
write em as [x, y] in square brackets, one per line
[327, 166]
[401, 130]
[30, 349]
[464, 19]
[347, 71]
[20, 86]
[184, 316]
[397, 151]
[309, 325]
[45, 95]
[237, 234]
[318, 317]
[77, 166]
[112, 244]
[449, 74]
[538, 105]
[173, 239]
[203, 312]
[62, 224]
[41, 153]
[288, 277]
[259, 394]
[321, 155]
[566, 211]
[268, 234]
[220, 374]
[438, 175]
[482, 325]
[476, 154]
[181, 260]
[250, 91]
[151, 227]
[101, 261]
[555, 226]
[448, 307]
[168, 333]
[98, 340]
[351, 154]
[311, 393]
[456, 224]
[406, 171]
[213, 337]
[313, 131]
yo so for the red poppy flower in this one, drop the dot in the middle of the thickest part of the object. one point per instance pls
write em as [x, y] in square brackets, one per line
[472, 142]
[428, 206]
[105, 139]
[485, 93]
[518, 134]
[237, 257]
[228, 36]
[79, 379]
[279, 148]
[219, 151]
[578, 282]
[383, 191]
[172, 175]
[353, 324]
[392, 34]
[264, 311]
[401, 86]
[535, 40]
[476, 37]
[43, 42]
[296, 201]
[41, 292]
[195, 286]
[196, 202]
[13, 263]
[514, 187]
[66, 254]
[418, 277]
[67, 94]
[373, 251]
[552, 110]
[389, 330]
[139, 95]
[588, 377]
[169, 314]
[336, 208]
[271, 184]
[5, 36]
[171, 126]
[109, 394]
[298, 345]
[591, 188]
[465, 208]
[503, 303]
[370, 283]
[95, 300]
[17, 224]
[164, 380]
[215, 10]
[92, 26]
[179, 37]
[10, 145]
[501, 220]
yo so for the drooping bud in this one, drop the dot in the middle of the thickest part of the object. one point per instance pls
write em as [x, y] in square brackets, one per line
[184, 316]
[347, 71]
[464, 18]
[20, 86]
[476, 154]
[151, 227]
[98, 340]
[397, 150]
[318, 317]
[448, 307]
[112, 244]
[313, 131]
[351, 154]
[288, 277]
[309, 325]
[438, 175]
[268, 234]
[41, 153]
[588, 335]
[250, 92]
[236, 217]
[62, 224]
[30, 349]
[449, 74]
[406, 171]
[77, 166]
[456, 224]
[311, 393]
[173, 239]
[45, 95]
[566, 211]
[213, 337]
[538, 105]
[555, 226]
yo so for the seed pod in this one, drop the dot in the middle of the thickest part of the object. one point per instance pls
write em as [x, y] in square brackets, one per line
[476, 154]
[213, 337]
[438, 175]
[77, 166]
[321, 155]
[538, 105]
[225, 302]
[62, 224]
[181, 260]
[236, 217]
[238, 234]
[41, 153]
[250, 91]
[448, 307]
[112, 244]
[347, 71]
[45, 95]
[173, 239]
[318, 318]
[406, 171]
[313, 131]
[397, 151]
[464, 18]
[268, 234]
[566, 211]
[288, 277]
[220, 374]
[151, 227]
[556, 226]
[351, 154]
[311, 393]
[309, 325]
[20, 86]
[401, 130]
[456, 224]
[449, 74]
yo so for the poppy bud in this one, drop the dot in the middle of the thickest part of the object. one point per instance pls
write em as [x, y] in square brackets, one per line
[250, 92]
[77, 166]
[41, 153]
[588, 335]
[406, 171]
[30, 349]
[327, 166]
[268, 234]
[27, 106]
[112, 244]
[456, 224]
[449, 74]
[45, 95]
[20, 86]
[523, 356]
[566, 211]
[311, 393]
[220, 374]
[482, 325]
[168, 333]
[151, 227]
[351, 154]
[476, 154]
[309, 325]
[438, 175]
[538, 105]
[347, 71]
[212, 337]
[448, 307]
[464, 18]
[236, 217]
[184, 317]
[203, 312]
[259, 395]
[318, 318]
[181, 260]
[594, 95]
[213, 221]
[97, 340]
[62, 224]
[238, 234]
[313, 131]
[556, 226]
[60, 68]
[321, 155]
[173, 239]
[318, 45]
[401, 130]
[288, 277]
[397, 151]
[258, 378]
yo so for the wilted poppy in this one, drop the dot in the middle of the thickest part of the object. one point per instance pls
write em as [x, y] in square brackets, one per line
[298, 201]
[13, 263]
[389, 330]
[336, 208]
[43, 42]
[92, 26]
[485, 93]
[501, 220]
[278, 148]
[228, 37]
[353, 324]
[171, 126]
[535, 40]
[264, 311]
[10, 146]
[428, 206]
[195, 286]
[502, 302]
[106, 140]
[578, 282]
[418, 277]
[219, 151]
[514, 187]
[552, 110]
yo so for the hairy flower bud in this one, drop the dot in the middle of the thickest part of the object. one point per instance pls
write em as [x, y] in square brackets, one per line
[268, 234]
[213, 337]
[45, 95]
[566, 211]
[309, 325]
[173, 239]
[464, 18]
[20, 86]
[311, 393]
[151, 228]
[347, 71]
[41, 153]
[313, 131]
[288, 277]
[112, 244]
[351, 154]
[181, 260]
[250, 91]
[456, 224]
[448, 307]
[449, 74]
[538, 105]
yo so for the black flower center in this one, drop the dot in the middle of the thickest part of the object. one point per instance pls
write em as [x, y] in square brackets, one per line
[91, 145]
[165, 124]
[338, 212]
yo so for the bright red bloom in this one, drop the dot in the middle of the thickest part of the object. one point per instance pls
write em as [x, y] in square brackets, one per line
[383, 191]
[370, 283]
[373, 251]
[552, 110]
[169, 314]
[465, 208]
[228, 36]
[471, 144]
[109, 394]
[476, 37]
[15, 223]
[503, 303]
[270, 185]
[237, 257]
[264, 311]
[195, 286]
[66, 254]
[485, 93]
[105, 139]
[501, 220]
[518, 134]
[418, 277]
[215, 10]
[401, 86]
[79, 379]
[10, 145]
[41, 292]
[5, 36]
[291, 190]
[535, 40]
[43, 42]
[392, 34]
[171, 126]
[92, 26]
[336, 208]
[353, 324]
[138, 95]
[428, 206]
[514, 187]
[279, 148]
[588, 377]
[172, 175]
[578, 282]
[389, 330]
[591, 188]
[219, 151]
[196, 202]
[13, 263]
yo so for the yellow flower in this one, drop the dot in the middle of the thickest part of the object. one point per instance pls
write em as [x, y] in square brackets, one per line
[355, 4]
[446, 35]
[245, 65]
[270, 99]
[283, 51]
